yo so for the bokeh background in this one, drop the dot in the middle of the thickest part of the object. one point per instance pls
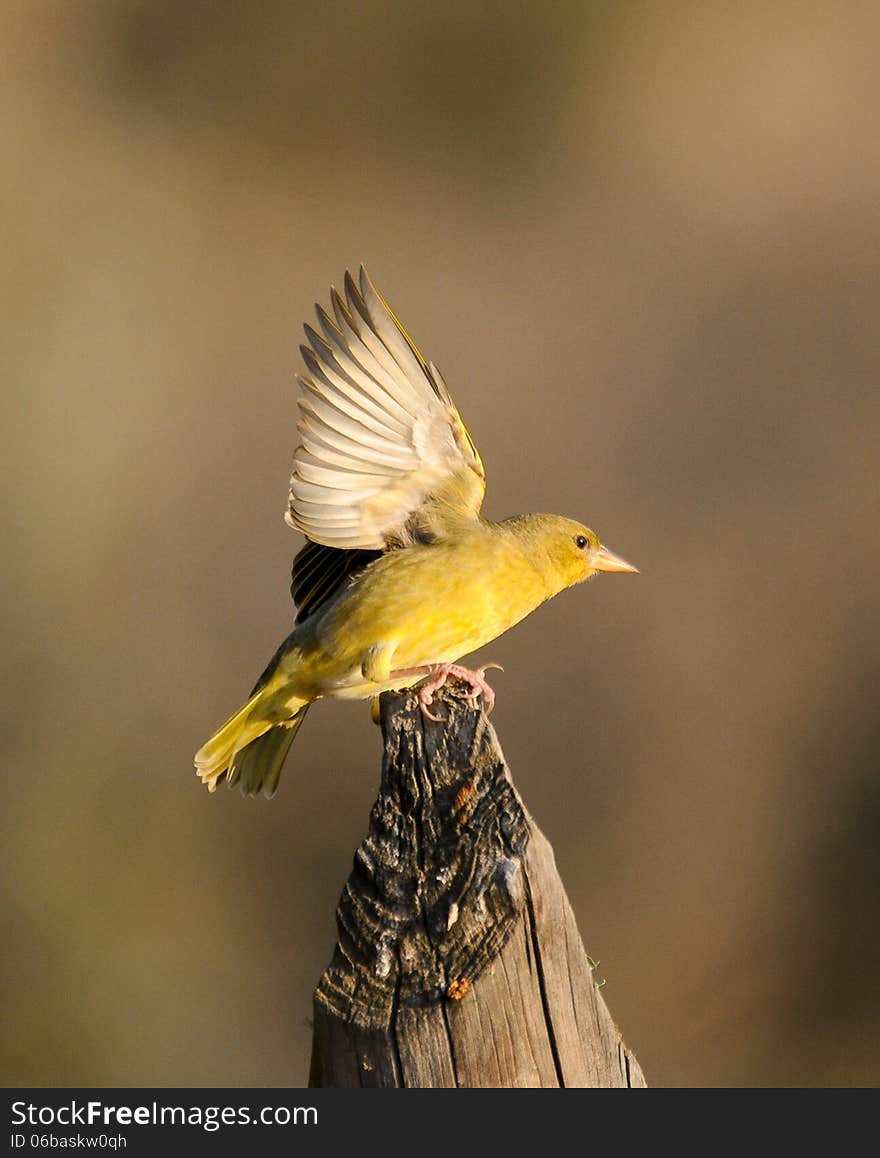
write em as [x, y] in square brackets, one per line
[643, 244]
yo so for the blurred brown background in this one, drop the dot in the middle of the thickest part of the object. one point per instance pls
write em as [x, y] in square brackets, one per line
[641, 241]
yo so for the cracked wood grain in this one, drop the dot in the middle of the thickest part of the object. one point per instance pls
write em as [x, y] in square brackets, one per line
[458, 962]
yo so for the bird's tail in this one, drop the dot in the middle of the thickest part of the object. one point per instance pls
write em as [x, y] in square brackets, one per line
[249, 750]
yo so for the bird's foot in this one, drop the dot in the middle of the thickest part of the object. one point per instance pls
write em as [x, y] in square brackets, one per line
[437, 675]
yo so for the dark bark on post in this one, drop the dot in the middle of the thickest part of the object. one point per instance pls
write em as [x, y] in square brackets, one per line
[458, 963]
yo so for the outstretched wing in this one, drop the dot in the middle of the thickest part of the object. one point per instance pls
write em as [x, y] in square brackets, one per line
[384, 457]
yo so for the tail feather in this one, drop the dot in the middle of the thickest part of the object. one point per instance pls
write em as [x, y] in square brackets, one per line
[257, 767]
[249, 749]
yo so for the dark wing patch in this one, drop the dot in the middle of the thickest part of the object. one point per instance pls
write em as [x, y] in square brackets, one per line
[319, 572]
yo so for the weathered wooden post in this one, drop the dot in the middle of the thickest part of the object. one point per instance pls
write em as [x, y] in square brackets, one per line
[458, 963]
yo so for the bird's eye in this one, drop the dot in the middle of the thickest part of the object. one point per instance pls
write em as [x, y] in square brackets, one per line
[580, 542]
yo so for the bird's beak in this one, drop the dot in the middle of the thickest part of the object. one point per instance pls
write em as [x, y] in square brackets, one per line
[601, 559]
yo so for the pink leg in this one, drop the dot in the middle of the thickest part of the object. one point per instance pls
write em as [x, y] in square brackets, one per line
[439, 673]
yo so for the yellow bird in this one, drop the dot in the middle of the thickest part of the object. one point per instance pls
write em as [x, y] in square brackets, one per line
[401, 575]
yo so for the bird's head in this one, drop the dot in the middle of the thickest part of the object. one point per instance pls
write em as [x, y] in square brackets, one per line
[573, 551]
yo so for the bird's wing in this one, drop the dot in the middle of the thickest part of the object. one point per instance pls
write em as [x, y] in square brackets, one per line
[384, 457]
[319, 572]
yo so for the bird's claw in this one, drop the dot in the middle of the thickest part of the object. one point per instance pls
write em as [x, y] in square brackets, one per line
[479, 686]
[437, 675]
[426, 698]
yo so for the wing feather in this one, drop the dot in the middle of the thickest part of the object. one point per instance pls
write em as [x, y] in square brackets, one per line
[382, 448]
[332, 478]
[318, 572]
[317, 433]
[333, 373]
[362, 357]
[332, 496]
[361, 322]
[345, 351]
[393, 337]
[342, 463]
[324, 405]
